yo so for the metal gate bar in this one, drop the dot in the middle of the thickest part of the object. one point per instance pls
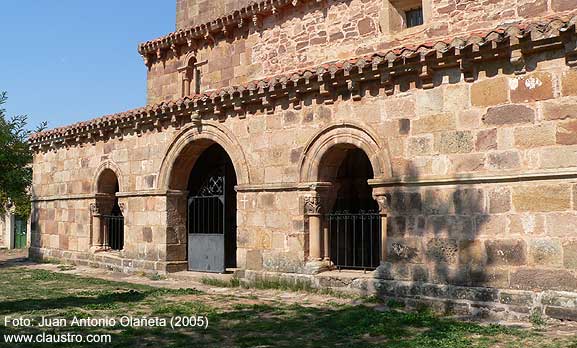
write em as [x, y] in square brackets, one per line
[114, 233]
[355, 239]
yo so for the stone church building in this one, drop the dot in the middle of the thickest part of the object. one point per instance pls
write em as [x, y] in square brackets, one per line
[424, 150]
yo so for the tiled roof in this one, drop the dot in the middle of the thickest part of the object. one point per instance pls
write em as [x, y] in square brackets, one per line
[251, 13]
[510, 34]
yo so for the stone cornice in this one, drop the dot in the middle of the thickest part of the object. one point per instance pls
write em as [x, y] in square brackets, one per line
[197, 36]
[330, 81]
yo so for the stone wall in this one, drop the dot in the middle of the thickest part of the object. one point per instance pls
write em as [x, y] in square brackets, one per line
[480, 176]
[313, 33]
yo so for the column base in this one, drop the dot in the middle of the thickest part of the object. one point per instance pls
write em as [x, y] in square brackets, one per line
[318, 266]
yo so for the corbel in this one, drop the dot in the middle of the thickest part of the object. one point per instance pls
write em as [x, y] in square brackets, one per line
[570, 46]
[355, 88]
[517, 60]
[147, 60]
[257, 21]
[388, 83]
[426, 75]
[175, 49]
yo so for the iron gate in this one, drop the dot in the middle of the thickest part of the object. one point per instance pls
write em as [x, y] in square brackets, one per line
[114, 233]
[206, 226]
[355, 239]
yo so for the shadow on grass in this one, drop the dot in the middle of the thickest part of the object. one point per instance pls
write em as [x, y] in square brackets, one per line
[297, 326]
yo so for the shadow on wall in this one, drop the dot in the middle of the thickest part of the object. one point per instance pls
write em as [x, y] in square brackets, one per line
[434, 235]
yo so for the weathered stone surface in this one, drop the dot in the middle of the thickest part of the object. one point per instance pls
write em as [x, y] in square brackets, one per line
[404, 250]
[570, 254]
[503, 160]
[517, 298]
[541, 279]
[471, 252]
[562, 5]
[467, 162]
[535, 136]
[490, 92]
[509, 114]
[569, 81]
[526, 224]
[532, 87]
[434, 123]
[567, 132]
[559, 157]
[454, 142]
[442, 250]
[506, 252]
[486, 140]
[545, 252]
[541, 197]
[561, 313]
[419, 146]
[499, 200]
[561, 224]
[559, 109]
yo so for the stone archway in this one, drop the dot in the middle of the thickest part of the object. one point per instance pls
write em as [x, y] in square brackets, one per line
[107, 211]
[186, 171]
[356, 135]
[338, 164]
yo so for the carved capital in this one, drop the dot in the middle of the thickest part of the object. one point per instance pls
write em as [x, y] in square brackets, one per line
[122, 207]
[383, 204]
[94, 209]
[312, 205]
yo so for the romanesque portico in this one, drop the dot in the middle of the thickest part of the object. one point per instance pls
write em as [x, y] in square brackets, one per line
[293, 138]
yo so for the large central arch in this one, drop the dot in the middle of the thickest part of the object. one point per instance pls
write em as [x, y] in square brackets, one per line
[189, 144]
[190, 178]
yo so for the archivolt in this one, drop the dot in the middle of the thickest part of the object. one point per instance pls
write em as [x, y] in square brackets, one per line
[189, 144]
[344, 133]
[108, 164]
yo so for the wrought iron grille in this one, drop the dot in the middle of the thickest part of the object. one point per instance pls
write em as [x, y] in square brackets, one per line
[355, 239]
[206, 210]
[114, 231]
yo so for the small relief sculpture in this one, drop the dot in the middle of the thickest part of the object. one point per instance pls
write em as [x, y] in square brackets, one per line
[312, 205]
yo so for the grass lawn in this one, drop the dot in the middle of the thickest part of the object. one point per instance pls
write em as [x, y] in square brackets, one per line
[235, 321]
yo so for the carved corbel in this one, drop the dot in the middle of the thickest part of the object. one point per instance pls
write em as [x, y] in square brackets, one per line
[426, 76]
[388, 83]
[467, 69]
[355, 88]
[570, 47]
[195, 118]
[257, 21]
[518, 61]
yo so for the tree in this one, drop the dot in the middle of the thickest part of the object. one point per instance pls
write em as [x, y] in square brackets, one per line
[15, 162]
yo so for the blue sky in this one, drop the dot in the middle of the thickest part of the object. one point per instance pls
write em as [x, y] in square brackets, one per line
[64, 61]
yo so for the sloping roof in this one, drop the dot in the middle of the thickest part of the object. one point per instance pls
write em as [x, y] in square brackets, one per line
[511, 34]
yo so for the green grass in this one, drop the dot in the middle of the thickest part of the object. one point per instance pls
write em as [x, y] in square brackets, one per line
[237, 321]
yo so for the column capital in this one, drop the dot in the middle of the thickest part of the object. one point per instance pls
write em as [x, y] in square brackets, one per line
[382, 201]
[313, 205]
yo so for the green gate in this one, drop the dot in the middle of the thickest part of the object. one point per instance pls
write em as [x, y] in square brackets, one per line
[19, 233]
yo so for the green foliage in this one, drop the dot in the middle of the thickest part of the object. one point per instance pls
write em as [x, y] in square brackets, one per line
[536, 318]
[15, 160]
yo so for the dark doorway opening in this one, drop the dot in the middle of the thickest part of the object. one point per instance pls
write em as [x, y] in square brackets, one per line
[111, 233]
[353, 220]
[212, 205]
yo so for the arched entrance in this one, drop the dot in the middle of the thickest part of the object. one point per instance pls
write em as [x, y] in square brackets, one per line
[110, 231]
[352, 215]
[211, 212]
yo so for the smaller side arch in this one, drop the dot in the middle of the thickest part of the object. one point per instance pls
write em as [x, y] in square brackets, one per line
[357, 135]
[201, 136]
[104, 166]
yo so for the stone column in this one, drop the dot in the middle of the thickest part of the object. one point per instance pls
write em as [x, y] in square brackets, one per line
[382, 202]
[96, 240]
[313, 211]
[326, 244]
